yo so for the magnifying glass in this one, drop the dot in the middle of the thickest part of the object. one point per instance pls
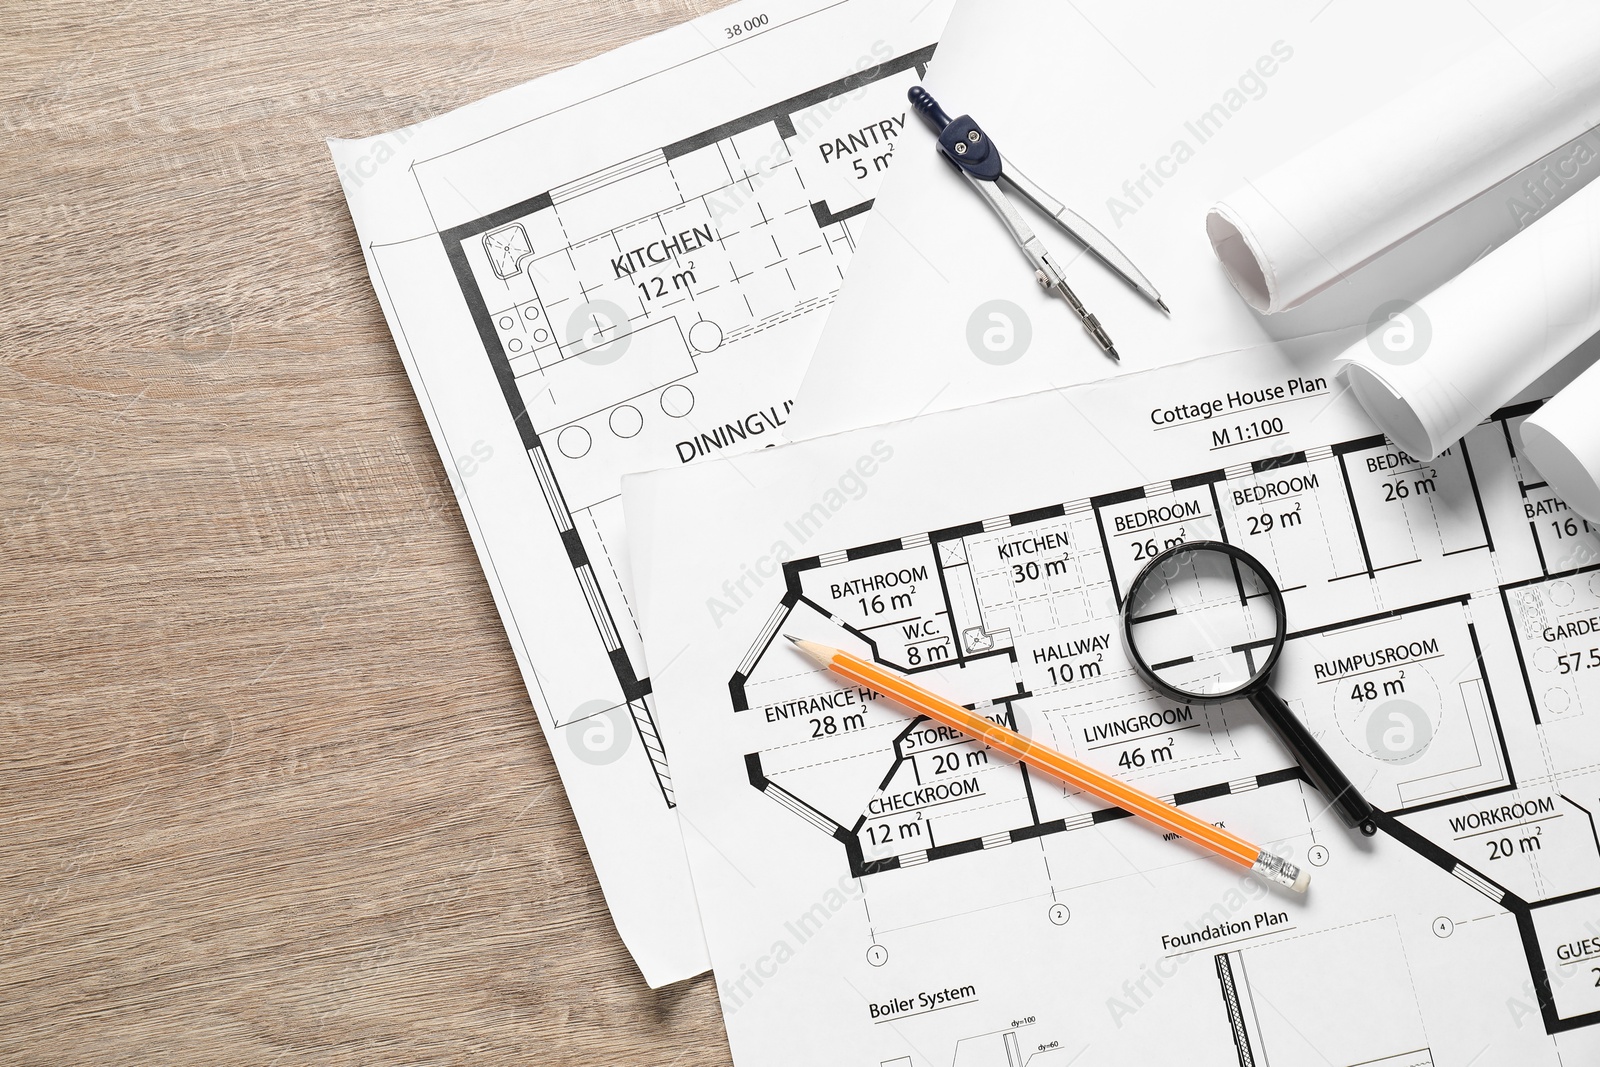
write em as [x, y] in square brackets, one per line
[1204, 624]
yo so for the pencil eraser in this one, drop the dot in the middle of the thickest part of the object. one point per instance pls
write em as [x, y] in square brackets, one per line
[1302, 882]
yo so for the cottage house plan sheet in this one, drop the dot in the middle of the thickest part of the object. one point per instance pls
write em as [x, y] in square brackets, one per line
[882, 892]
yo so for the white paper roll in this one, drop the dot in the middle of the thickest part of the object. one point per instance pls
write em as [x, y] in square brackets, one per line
[1286, 235]
[1562, 440]
[1436, 369]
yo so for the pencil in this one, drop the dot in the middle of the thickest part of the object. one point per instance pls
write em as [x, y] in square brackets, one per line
[1111, 790]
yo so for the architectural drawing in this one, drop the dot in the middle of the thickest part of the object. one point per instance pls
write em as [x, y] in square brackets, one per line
[1018, 613]
[621, 267]
[1444, 622]
[624, 313]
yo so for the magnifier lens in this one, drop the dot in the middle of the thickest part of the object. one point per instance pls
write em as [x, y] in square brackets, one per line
[1203, 622]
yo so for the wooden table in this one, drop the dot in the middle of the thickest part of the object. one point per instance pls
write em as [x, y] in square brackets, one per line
[273, 791]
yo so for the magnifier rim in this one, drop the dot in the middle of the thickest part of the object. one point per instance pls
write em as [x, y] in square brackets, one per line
[1255, 680]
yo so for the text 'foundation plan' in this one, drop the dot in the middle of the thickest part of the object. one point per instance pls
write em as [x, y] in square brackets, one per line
[621, 267]
[880, 891]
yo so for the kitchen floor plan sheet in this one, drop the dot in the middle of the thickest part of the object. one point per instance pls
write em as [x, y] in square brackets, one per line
[620, 267]
[880, 891]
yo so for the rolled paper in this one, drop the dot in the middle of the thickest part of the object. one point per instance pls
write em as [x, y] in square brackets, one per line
[1288, 234]
[1562, 441]
[1432, 371]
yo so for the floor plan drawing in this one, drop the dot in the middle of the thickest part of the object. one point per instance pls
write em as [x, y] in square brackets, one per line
[624, 267]
[1017, 614]
[1015, 608]
[1443, 620]
[606, 304]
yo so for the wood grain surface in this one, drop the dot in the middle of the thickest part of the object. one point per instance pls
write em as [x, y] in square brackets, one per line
[273, 791]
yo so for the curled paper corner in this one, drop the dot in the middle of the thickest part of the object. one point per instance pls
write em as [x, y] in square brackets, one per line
[1244, 263]
[1465, 350]
[1298, 228]
[1562, 441]
[1560, 465]
[1417, 410]
[1385, 405]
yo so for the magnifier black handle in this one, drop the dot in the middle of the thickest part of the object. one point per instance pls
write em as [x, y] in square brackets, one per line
[1319, 767]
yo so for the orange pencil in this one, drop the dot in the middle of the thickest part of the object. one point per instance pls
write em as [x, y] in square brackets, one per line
[1112, 791]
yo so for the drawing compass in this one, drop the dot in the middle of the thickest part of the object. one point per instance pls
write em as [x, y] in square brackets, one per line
[969, 149]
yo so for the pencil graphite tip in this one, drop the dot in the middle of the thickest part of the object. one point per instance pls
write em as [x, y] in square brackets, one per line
[821, 653]
[1112, 352]
[1162, 304]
